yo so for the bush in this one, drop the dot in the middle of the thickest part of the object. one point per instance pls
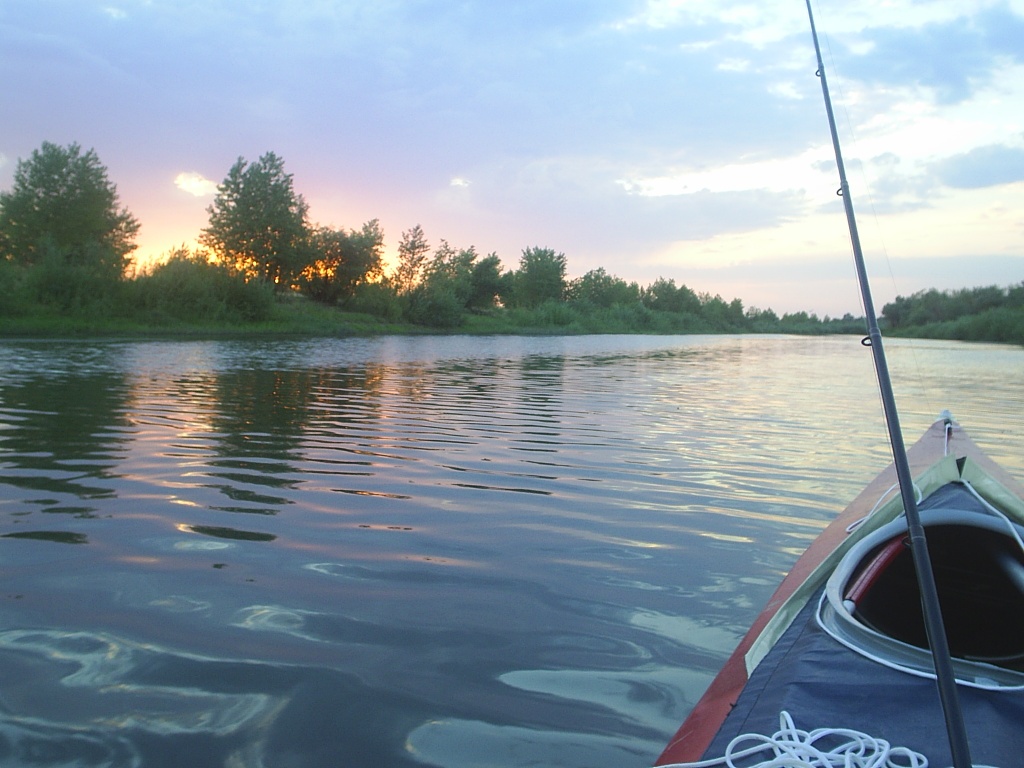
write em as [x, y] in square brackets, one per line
[377, 299]
[190, 289]
[13, 301]
[72, 285]
[436, 307]
[1001, 325]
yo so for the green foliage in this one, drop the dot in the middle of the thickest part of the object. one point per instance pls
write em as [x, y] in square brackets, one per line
[553, 313]
[799, 322]
[442, 299]
[13, 300]
[343, 262]
[452, 269]
[971, 314]
[258, 225]
[1001, 324]
[63, 207]
[412, 258]
[722, 316]
[631, 317]
[376, 299]
[539, 279]
[485, 283]
[81, 285]
[188, 288]
[436, 307]
[762, 320]
[600, 289]
[664, 296]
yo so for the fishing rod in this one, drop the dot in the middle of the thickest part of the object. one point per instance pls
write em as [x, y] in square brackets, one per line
[934, 628]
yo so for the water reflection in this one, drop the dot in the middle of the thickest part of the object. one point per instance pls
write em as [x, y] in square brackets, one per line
[64, 436]
[407, 551]
[223, 532]
[124, 704]
[61, 537]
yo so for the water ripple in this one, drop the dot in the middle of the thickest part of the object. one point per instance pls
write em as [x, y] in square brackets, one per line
[420, 549]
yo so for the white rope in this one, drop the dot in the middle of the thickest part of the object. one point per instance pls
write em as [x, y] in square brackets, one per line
[997, 512]
[790, 747]
[918, 497]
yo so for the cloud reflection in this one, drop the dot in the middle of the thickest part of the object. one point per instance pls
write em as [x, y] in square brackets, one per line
[105, 688]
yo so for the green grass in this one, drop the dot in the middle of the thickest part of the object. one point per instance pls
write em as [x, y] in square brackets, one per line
[287, 318]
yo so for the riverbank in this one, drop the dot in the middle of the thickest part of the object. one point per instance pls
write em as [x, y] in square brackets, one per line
[296, 316]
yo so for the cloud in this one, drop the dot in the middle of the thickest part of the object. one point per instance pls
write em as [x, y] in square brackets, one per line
[779, 174]
[952, 57]
[982, 167]
[195, 184]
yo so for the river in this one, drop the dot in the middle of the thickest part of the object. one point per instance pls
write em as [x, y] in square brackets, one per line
[408, 551]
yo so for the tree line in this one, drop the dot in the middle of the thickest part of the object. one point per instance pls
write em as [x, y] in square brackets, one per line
[990, 313]
[65, 245]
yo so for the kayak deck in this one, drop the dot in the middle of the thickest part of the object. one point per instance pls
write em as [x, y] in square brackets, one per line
[696, 736]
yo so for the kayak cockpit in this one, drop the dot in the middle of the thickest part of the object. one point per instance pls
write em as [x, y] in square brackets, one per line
[872, 602]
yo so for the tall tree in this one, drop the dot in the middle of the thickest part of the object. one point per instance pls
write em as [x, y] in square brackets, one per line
[343, 261]
[258, 224]
[441, 297]
[485, 283]
[540, 277]
[453, 268]
[599, 288]
[412, 259]
[664, 296]
[63, 204]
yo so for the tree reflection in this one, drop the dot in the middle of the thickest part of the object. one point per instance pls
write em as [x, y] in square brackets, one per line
[64, 436]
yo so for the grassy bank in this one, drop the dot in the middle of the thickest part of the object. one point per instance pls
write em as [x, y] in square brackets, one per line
[293, 315]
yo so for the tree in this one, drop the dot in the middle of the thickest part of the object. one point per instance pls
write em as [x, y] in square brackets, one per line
[720, 315]
[63, 207]
[453, 267]
[412, 258]
[485, 283]
[766, 321]
[442, 297]
[897, 312]
[664, 296]
[258, 225]
[342, 261]
[540, 278]
[599, 288]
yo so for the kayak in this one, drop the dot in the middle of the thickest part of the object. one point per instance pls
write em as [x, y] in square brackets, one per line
[841, 645]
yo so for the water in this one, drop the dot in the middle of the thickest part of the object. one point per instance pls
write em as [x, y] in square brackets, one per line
[420, 551]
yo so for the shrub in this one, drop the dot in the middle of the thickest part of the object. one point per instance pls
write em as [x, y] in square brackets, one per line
[436, 307]
[377, 299]
[190, 289]
[71, 285]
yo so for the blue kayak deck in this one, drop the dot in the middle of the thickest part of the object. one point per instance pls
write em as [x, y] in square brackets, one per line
[822, 684]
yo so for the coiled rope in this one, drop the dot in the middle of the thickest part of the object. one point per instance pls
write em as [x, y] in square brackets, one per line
[790, 747]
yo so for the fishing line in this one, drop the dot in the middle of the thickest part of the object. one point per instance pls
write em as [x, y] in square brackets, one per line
[925, 393]
[936, 634]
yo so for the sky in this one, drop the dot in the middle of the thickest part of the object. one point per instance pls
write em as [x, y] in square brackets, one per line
[684, 139]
